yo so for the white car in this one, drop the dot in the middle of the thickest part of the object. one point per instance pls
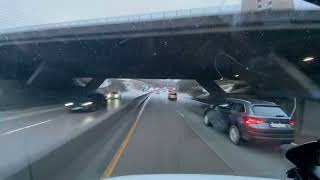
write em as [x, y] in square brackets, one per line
[113, 95]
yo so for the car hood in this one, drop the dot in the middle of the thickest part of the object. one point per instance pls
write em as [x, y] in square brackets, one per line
[185, 177]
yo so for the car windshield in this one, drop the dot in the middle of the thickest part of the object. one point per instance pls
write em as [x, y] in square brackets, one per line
[268, 111]
[91, 90]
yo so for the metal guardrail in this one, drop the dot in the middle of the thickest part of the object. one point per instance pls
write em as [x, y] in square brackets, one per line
[165, 15]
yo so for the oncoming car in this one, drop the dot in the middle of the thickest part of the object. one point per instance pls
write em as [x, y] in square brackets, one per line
[86, 104]
[246, 120]
[113, 95]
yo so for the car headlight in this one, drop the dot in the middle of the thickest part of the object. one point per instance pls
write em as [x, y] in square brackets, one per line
[69, 104]
[109, 96]
[87, 103]
[116, 96]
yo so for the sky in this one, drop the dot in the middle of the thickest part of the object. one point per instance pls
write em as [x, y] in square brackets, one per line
[17, 13]
[29, 12]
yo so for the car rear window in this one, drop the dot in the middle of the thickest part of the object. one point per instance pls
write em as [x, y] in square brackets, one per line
[270, 111]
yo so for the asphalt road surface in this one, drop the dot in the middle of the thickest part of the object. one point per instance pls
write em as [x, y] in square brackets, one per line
[149, 135]
[171, 138]
[31, 135]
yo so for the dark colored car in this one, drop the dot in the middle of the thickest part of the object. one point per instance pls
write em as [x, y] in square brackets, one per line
[85, 104]
[172, 96]
[250, 120]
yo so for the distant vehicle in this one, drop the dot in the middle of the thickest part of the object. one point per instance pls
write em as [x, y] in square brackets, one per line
[85, 104]
[114, 95]
[170, 89]
[172, 96]
[157, 92]
[145, 89]
[246, 120]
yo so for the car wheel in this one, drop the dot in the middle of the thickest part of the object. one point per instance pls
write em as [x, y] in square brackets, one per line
[206, 120]
[234, 134]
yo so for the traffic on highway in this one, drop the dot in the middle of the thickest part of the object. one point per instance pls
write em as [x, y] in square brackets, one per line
[148, 133]
[187, 90]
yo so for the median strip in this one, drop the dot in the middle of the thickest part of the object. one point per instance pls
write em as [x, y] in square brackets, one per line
[112, 165]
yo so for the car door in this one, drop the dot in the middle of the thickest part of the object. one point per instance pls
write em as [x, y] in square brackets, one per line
[237, 111]
[220, 116]
[232, 112]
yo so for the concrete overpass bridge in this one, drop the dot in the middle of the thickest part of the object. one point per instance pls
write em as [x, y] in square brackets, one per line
[265, 49]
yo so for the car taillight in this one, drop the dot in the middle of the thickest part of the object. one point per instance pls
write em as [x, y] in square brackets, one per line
[291, 122]
[253, 120]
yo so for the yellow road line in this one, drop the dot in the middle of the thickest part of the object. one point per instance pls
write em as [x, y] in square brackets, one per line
[112, 165]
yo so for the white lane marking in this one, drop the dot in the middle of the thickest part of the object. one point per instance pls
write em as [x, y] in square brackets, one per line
[29, 114]
[142, 109]
[180, 113]
[204, 140]
[33, 125]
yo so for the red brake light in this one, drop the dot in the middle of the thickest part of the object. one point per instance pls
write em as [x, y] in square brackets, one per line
[253, 120]
[291, 122]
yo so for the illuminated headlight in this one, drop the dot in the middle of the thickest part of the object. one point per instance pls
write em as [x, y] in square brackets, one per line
[69, 104]
[87, 103]
[109, 96]
[117, 96]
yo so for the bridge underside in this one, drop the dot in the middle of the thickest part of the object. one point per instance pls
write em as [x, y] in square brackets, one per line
[269, 61]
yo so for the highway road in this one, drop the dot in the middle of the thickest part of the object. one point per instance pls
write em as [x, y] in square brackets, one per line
[145, 135]
[37, 139]
[171, 138]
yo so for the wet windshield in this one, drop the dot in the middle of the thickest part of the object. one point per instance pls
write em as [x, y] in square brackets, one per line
[97, 89]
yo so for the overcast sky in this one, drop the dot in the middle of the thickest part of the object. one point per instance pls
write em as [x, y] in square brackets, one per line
[30, 12]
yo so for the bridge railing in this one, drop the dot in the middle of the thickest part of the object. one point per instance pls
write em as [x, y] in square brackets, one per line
[165, 15]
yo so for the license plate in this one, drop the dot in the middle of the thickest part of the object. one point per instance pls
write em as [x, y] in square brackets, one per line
[278, 125]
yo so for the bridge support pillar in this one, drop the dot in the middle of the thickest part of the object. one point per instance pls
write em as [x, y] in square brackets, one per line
[94, 84]
[211, 87]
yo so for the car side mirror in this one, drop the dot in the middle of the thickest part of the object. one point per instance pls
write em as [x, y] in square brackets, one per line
[305, 157]
[293, 173]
